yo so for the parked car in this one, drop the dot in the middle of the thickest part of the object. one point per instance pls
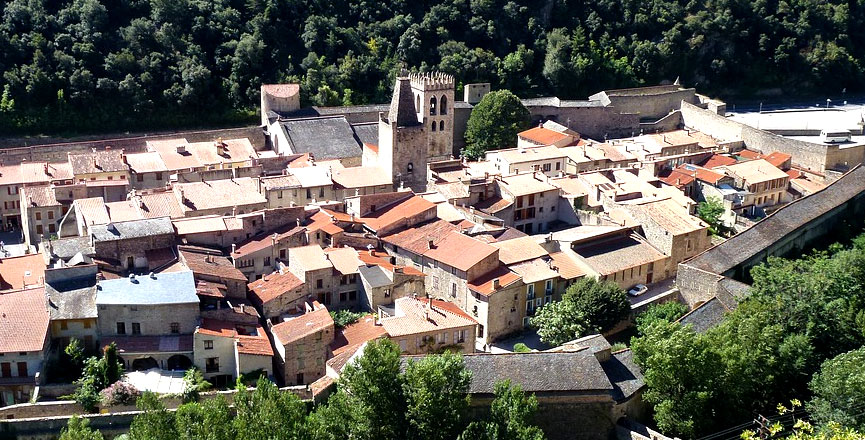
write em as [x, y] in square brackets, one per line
[638, 290]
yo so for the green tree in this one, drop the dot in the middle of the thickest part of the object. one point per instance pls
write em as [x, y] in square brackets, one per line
[494, 123]
[511, 414]
[587, 306]
[667, 312]
[435, 389]
[154, 422]
[839, 390]
[193, 384]
[710, 211]
[267, 413]
[210, 420]
[78, 428]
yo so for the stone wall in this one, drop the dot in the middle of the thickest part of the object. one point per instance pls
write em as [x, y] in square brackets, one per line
[591, 122]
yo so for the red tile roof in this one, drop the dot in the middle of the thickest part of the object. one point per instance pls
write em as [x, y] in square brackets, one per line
[417, 239]
[303, 326]
[323, 222]
[777, 158]
[209, 264]
[248, 342]
[460, 251]
[272, 286]
[748, 154]
[352, 336]
[23, 320]
[262, 241]
[397, 212]
[542, 136]
[484, 283]
[717, 160]
[22, 271]
[382, 259]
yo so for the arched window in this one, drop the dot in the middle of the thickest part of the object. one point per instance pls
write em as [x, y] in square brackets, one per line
[443, 103]
[410, 167]
[441, 125]
[433, 126]
[417, 104]
[432, 106]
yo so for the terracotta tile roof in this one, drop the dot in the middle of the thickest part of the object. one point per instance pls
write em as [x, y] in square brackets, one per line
[272, 286]
[210, 264]
[311, 257]
[44, 172]
[700, 173]
[460, 251]
[210, 289]
[533, 271]
[219, 194]
[11, 175]
[382, 259]
[492, 205]
[397, 212]
[570, 185]
[755, 171]
[567, 267]
[250, 339]
[527, 183]
[262, 241]
[416, 240]
[147, 162]
[302, 326]
[344, 260]
[794, 174]
[413, 317]
[484, 283]
[92, 211]
[532, 154]
[23, 321]
[542, 136]
[354, 335]
[361, 177]
[123, 210]
[717, 160]
[672, 217]
[519, 249]
[173, 159]
[22, 271]
[280, 182]
[41, 196]
[235, 150]
[281, 90]
[160, 204]
[777, 158]
[748, 154]
[323, 222]
[104, 161]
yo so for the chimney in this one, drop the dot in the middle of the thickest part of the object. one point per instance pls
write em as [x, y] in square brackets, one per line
[298, 223]
[549, 237]
[273, 239]
[233, 247]
[496, 284]
[396, 269]
[152, 276]
[428, 306]
[351, 217]
[431, 244]
[208, 258]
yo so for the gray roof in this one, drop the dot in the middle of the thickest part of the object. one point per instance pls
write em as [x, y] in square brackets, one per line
[349, 109]
[624, 374]
[375, 276]
[402, 109]
[366, 133]
[538, 372]
[705, 316]
[72, 299]
[325, 137]
[66, 248]
[161, 288]
[790, 218]
[552, 101]
[132, 229]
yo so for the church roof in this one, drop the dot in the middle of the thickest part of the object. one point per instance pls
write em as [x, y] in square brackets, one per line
[402, 104]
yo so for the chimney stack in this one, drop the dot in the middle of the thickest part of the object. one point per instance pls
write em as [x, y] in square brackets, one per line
[233, 248]
[496, 284]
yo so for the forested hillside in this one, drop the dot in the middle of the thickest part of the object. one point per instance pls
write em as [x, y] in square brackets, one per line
[91, 65]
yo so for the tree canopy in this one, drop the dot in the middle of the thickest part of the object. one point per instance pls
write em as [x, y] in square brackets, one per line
[123, 64]
[839, 390]
[587, 306]
[494, 123]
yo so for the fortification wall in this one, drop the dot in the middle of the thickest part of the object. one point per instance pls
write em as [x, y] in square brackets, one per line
[670, 122]
[653, 105]
[592, 122]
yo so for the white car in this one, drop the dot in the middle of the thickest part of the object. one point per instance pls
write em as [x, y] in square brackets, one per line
[638, 290]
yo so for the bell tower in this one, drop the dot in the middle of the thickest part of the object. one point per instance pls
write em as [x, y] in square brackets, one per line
[434, 104]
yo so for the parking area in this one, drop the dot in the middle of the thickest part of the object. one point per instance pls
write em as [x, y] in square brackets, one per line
[655, 289]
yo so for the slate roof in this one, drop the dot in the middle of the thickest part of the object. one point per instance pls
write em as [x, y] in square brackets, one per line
[132, 229]
[366, 133]
[402, 109]
[624, 374]
[66, 248]
[705, 316]
[613, 255]
[158, 289]
[23, 321]
[741, 247]
[538, 372]
[375, 275]
[324, 137]
[73, 299]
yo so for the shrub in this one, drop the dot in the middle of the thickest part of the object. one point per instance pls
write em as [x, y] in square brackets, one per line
[119, 393]
[519, 347]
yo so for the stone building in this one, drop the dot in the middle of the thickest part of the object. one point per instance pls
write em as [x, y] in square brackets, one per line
[424, 325]
[278, 293]
[151, 318]
[14, 177]
[381, 282]
[225, 350]
[71, 297]
[104, 173]
[147, 170]
[214, 268]
[302, 345]
[134, 245]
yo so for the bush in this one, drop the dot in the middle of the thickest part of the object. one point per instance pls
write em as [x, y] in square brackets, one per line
[343, 318]
[119, 393]
[519, 347]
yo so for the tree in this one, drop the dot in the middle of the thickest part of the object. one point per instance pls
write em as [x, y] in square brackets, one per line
[193, 384]
[210, 419]
[78, 428]
[710, 211]
[587, 306]
[343, 318]
[494, 123]
[96, 375]
[839, 390]
[510, 418]
[154, 422]
[436, 390]
[267, 413]
[667, 312]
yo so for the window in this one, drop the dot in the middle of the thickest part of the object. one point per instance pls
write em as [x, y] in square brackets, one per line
[530, 291]
[321, 192]
[38, 215]
[139, 177]
[51, 215]
[319, 283]
[175, 327]
[403, 344]
[441, 125]
[454, 290]
[267, 261]
[282, 253]
[110, 177]
[6, 369]
[459, 336]
[64, 325]
[443, 105]
[417, 104]
[549, 287]
[386, 293]
[121, 328]
[208, 344]
[158, 176]
[343, 296]
[211, 365]
[433, 126]
[558, 166]
[51, 228]
[435, 282]
[352, 296]
[308, 193]
[136, 328]
[279, 194]
[86, 324]
[432, 106]
[548, 167]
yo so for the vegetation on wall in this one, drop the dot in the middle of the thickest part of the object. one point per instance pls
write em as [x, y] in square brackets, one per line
[78, 65]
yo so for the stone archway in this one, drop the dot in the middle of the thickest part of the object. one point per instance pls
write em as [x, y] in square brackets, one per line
[178, 362]
[144, 364]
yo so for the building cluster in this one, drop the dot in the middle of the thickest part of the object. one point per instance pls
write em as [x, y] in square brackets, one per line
[230, 255]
